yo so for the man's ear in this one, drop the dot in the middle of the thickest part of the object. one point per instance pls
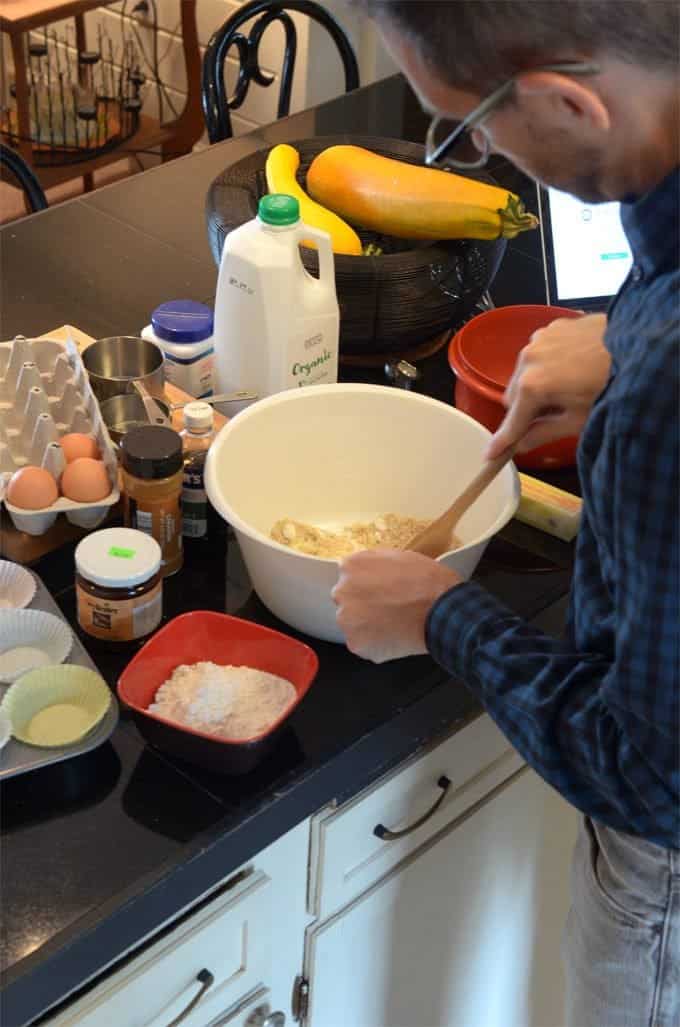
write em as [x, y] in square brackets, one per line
[565, 93]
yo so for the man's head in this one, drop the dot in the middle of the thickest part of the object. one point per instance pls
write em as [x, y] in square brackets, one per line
[600, 136]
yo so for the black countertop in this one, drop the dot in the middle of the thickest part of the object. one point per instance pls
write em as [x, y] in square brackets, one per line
[98, 851]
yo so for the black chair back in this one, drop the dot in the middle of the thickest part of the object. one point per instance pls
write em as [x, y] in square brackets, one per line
[216, 103]
[24, 175]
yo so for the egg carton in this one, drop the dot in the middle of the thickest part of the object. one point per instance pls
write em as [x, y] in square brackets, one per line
[45, 393]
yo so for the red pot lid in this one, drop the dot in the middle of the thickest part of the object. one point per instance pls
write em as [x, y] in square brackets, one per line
[487, 347]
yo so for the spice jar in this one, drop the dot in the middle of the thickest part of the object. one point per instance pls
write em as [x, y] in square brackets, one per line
[152, 474]
[118, 584]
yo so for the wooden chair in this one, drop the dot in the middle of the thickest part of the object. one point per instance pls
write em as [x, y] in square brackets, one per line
[216, 103]
[19, 171]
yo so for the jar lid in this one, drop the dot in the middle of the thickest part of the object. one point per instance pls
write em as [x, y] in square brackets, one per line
[118, 557]
[151, 451]
[198, 416]
[182, 321]
[278, 209]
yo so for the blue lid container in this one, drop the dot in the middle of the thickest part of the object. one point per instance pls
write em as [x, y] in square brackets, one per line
[182, 321]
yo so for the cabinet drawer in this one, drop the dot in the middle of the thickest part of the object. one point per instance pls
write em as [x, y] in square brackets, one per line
[347, 856]
[229, 938]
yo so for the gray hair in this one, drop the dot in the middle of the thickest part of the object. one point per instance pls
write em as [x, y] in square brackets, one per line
[477, 44]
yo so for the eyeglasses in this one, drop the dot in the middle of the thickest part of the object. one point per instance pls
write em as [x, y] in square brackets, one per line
[439, 141]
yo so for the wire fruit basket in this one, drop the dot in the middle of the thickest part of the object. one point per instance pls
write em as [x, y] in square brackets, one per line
[399, 296]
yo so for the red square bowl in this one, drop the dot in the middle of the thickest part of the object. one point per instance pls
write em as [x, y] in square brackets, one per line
[219, 638]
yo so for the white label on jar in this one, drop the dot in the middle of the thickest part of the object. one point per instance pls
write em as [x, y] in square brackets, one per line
[196, 377]
[144, 521]
[120, 620]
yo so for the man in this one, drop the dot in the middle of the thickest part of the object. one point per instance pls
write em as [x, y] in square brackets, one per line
[590, 104]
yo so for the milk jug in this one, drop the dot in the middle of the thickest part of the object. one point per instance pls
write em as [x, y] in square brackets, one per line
[276, 325]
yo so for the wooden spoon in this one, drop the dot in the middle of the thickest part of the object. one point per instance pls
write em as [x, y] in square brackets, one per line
[436, 538]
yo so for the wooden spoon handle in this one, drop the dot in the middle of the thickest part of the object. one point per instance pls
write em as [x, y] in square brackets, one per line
[467, 497]
[440, 530]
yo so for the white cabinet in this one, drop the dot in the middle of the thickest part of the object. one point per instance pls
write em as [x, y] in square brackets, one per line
[240, 951]
[451, 918]
[464, 933]
[348, 857]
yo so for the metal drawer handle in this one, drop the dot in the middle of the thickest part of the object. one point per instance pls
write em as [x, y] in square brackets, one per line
[206, 980]
[380, 831]
[261, 1017]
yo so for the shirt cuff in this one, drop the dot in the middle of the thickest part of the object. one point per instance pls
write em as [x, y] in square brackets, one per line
[458, 621]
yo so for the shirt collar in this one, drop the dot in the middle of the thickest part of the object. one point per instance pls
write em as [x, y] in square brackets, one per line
[652, 225]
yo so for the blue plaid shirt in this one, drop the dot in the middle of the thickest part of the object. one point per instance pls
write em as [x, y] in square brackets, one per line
[596, 713]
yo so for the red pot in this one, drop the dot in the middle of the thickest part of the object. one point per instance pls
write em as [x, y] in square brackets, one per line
[483, 355]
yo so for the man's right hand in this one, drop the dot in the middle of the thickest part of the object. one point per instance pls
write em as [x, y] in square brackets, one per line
[556, 380]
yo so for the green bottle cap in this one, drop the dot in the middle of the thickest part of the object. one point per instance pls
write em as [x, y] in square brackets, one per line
[278, 209]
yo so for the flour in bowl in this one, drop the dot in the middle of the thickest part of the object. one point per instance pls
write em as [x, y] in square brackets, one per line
[236, 703]
[389, 531]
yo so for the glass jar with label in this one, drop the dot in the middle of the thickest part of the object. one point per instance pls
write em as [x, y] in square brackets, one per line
[152, 472]
[119, 588]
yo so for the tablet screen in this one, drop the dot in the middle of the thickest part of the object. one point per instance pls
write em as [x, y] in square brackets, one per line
[590, 253]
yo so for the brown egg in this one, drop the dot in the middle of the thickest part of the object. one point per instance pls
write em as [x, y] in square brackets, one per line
[32, 488]
[85, 480]
[77, 444]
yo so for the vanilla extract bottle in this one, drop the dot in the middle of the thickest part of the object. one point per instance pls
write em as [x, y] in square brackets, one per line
[199, 520]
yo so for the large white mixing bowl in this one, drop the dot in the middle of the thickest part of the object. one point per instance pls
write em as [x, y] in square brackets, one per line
[342, 453]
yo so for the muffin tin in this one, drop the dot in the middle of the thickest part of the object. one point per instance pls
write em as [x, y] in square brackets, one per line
[44, 394]
[18, 757]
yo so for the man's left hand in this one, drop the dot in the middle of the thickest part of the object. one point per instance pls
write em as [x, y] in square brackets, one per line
[383, 598]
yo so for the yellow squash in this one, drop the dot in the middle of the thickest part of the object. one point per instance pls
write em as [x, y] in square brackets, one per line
[282, 164]
[410, 201]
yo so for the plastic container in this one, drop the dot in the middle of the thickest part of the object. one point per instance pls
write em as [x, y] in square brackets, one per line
[153, 470]
[206, 635]
[119, 590]
[339, 454]
[45, 393]
[197, 435]
[276, 326]
[184, 331]
[483, 354]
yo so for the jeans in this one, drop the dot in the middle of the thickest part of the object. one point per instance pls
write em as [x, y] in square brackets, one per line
[622, 939]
